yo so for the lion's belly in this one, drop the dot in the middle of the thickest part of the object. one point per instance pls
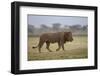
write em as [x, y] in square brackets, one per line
[52, 40]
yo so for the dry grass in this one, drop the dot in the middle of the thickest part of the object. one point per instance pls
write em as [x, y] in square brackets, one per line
[73, 50]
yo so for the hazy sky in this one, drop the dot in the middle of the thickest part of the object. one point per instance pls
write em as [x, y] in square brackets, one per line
[37, 20]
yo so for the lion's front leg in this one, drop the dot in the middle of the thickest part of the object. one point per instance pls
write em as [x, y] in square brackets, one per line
[62, 44]
[48, 44]
[63, 47]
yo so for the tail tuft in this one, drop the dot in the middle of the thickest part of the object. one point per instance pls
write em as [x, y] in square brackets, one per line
[34, 47]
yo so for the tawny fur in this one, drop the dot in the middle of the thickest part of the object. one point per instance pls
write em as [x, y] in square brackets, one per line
[58, 37]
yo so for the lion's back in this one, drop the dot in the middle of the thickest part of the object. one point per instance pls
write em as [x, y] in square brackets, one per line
[50, 37]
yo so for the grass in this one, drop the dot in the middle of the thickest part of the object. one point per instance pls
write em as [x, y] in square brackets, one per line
[73, 50]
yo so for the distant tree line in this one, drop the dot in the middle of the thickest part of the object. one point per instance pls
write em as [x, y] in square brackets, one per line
[56, 27]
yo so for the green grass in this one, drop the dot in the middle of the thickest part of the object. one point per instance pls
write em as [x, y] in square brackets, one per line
[73, 50]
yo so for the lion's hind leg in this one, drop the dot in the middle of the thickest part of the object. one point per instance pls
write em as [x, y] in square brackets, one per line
[59, 46]
[48, 44]
[40, 45]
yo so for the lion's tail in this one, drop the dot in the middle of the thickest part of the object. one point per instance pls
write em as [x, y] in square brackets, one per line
[35, 46]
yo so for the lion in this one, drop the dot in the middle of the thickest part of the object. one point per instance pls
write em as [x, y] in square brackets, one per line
[58, 37]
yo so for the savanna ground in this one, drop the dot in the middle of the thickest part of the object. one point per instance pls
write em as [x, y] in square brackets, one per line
[73, 50]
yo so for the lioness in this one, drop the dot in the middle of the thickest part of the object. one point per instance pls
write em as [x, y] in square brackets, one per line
[58, 37]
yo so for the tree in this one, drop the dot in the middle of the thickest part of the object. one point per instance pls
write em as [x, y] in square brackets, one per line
[31, 29]
[43, 26]
[56, 26]
[66, 26]
[76, 27]
[84, 27]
